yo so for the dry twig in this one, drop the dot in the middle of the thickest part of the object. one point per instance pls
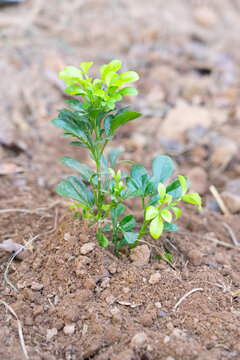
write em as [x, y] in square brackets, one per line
[20, 333]
[185, 296]
[231, 233]
[219, 200]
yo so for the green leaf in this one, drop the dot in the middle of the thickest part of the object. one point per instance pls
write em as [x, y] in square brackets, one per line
[169, 227]
[126, 223]
[140, 175]
[107, 124]
[116, 213]
[104, 162]
[177, 212]
[174, 188]
[154, 200]
[168, 257]
[166, 215]
[86, 66]
[83, 169]
[106, 228]
[121, 119]
[129, 90]
[110, 75]
[151, 213]
[75, 90]
[71, 75]
[86, 195]
[114, 65]
[193, 198]
[129, 76]
[75, 105]
[103, 241]
[113, 155]
[162, 167]
[65, 188]
[129, 237]
[161, 190]
[78, 143]
[69, 128]
[156, 227]
[183, 184]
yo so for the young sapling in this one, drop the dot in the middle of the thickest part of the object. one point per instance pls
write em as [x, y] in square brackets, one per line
[92, 123]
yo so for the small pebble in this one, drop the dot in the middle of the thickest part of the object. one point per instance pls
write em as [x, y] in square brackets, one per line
[87, 248]
[67, 236]
[51, 333]
[139, 340]
[154, 278]
[69, 329]
[36, 286]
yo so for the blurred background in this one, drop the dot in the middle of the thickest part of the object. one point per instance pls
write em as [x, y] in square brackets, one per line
[187, 54]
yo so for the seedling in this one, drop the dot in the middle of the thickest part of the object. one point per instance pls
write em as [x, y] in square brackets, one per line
[93, 122]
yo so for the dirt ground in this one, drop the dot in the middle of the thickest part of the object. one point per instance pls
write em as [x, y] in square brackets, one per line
[74, 305]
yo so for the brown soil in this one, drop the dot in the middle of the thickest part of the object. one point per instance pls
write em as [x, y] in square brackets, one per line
[77, 306]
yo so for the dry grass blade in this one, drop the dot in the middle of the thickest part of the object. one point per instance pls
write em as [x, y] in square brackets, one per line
[10, 260]
[20, 333]
[185, 296]
[219, 200]
[231, 233]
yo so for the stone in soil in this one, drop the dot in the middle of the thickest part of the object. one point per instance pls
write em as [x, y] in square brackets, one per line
[140, 255]
[139, 341]
[231, 201]
[69, 329]
[51, 333]
[223, 151]
[87, 248]
[154, 278]
[195, 257]
[205, 17]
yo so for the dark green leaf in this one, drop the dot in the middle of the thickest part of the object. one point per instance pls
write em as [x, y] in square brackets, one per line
[121, 119]
[69, 128]
[126, 223]
[174, 188]
[154, 200]
[128, 237]
[86, 195]
[106, 228]
[116, 213]
[75, 105]
[104, 162]
[113, 155]
[140, 175]
[77, 143]
[107, 124]
[66, 189]
[169, 227]
[83, 169]
[162, 167]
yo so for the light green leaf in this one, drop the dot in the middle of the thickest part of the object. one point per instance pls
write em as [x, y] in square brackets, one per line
[129, 76]
[86, 66]
[114, 66]
[174, 188]
[193, 198]
[177, 212]
[167, 199]
[151, 213]
[161, 190]
[156, 227]
[103, 241]
[166, 215]
[129, 90]
[71, 75]
[183, 184]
